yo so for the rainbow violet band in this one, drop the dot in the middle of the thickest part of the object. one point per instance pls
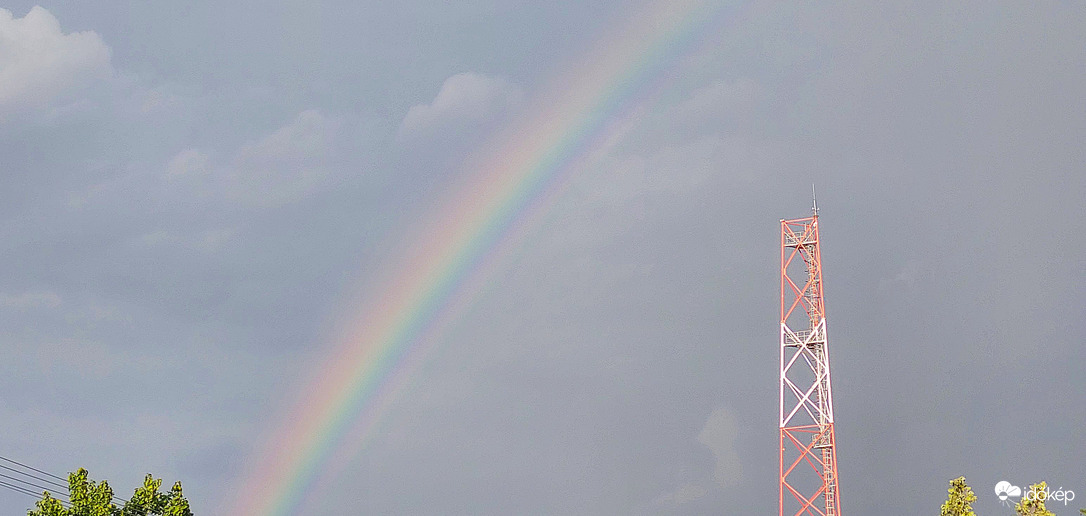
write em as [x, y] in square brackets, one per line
[448, 261]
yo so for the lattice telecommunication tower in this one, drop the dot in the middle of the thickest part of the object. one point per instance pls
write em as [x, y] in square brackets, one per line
[808, 451]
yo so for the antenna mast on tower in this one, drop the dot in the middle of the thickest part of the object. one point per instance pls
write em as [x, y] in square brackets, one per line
[808, 450]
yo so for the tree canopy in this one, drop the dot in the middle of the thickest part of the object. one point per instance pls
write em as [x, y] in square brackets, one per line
[959, 500]
[89, 498]
[1033, 505]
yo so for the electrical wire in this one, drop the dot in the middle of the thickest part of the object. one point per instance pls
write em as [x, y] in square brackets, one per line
[24, 490]
[17, 463]
[35, 477]
[31, 484]
[19, 489]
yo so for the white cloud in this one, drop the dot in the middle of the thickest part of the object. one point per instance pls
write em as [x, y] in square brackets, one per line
[30, 299]
[205, 241]
[286, 164]
[905, 278]
[187, 163]
[722, 100]
[40, 64]
[275, 170]
[719, 435]
[683, 494]
[464, 99]
[159, 99]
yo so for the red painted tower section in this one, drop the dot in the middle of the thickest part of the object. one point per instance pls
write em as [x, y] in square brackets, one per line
[808, 449]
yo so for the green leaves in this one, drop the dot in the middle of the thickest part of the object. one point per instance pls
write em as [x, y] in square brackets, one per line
[177, 505]
[960, 498]
[1033, 505]
[48, 506]
[87, 498]
[148, 501]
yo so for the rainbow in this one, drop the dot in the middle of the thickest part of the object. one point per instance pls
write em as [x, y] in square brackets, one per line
[445, 265]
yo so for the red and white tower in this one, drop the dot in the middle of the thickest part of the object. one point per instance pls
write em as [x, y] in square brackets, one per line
[808, 451]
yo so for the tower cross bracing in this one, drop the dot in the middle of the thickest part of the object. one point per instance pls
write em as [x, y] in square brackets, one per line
[808, 449]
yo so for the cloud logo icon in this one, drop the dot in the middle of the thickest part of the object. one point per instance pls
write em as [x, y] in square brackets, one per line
[1004, 489]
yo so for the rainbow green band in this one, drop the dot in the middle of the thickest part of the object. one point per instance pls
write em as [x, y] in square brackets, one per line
[338, 413]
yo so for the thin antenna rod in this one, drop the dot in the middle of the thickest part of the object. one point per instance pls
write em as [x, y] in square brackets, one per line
[814, 201]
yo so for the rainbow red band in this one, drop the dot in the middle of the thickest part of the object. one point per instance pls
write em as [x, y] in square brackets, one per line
[340, 410]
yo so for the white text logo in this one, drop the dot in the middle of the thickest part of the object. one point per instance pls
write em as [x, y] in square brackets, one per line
[1004, 489]
[1058, 495]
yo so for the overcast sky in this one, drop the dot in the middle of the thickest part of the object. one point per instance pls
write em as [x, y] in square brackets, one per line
[191, 193]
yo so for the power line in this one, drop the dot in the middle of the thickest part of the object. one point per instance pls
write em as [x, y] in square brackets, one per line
[46, 480]
[31, 484]
[24, 486]
[33, 469]
[24, 490]
[20, 489]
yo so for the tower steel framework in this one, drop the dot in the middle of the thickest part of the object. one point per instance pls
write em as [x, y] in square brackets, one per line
[808, 451]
